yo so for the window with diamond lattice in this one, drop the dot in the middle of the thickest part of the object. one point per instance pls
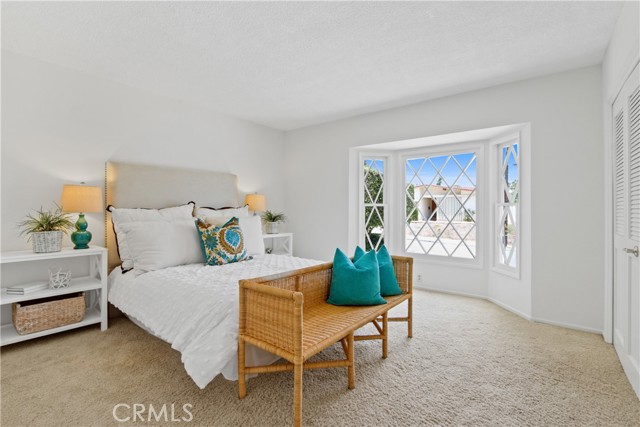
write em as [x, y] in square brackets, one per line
[508, 205]
[374, 212]
[440, 214]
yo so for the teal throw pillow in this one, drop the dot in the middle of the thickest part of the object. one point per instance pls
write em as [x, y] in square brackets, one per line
[355, 283]
[388, 281]
[222, 244]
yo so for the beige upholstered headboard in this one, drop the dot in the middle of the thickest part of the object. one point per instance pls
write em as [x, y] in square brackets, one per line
[129, 185]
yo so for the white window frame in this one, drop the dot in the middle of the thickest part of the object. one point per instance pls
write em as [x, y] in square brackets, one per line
[496, 146]
[478, 147]
[386, 193]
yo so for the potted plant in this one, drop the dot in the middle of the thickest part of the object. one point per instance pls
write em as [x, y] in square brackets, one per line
[45, 229]
[272, 221]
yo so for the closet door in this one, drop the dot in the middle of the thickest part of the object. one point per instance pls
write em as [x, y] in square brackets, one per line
[626, 214]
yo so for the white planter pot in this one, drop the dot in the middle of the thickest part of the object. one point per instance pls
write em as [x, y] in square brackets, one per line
[273, 227]
[47, 241]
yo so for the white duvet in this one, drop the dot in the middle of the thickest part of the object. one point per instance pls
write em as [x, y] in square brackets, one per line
[195, 309]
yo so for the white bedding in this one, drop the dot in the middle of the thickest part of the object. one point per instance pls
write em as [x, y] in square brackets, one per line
[195, 309]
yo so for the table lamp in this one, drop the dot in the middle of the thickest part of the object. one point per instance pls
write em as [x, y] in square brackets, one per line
[256, 202]
[81, 199]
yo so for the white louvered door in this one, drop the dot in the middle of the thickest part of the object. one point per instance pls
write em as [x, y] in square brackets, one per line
[626, 215]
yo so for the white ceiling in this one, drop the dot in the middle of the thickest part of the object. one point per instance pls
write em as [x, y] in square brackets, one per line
[293, 64]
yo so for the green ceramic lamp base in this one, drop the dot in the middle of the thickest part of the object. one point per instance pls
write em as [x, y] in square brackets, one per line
[81, 237]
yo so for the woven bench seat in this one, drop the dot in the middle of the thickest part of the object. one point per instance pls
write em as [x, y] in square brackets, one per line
[323, 322]
[287, 315]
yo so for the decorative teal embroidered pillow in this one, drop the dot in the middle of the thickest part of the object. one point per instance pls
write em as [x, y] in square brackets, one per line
[388, 281]
[355, 283]
[222, 244]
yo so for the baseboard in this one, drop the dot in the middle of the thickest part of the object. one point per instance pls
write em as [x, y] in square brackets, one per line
[510, 309]
[446, 291]
[567, 325]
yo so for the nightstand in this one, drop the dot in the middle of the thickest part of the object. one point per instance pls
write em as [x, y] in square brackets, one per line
[279, 243]
[89, 275]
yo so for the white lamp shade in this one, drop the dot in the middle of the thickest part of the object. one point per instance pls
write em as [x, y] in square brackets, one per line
[256, 202]
[81, 198]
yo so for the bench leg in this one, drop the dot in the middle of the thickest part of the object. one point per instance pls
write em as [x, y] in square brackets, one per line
[297, 395]
[242, 387]
[385, 334]
[345, 347]
[410, 317]
[352, 365]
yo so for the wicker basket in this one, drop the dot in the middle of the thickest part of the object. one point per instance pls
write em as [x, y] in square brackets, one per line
[47, 313]
[47, 241]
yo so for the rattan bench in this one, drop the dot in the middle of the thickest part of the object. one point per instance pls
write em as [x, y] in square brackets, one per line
[287, 315]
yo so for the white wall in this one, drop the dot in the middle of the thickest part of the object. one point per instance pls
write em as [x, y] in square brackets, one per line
[61, 126]
[622, 54]
[565, 112]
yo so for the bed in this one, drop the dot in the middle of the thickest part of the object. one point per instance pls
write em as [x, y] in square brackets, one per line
[193, 307]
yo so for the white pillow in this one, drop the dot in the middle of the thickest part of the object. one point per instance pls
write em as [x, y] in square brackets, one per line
[121, 216]
[161, 244]
[229, 213]
[251, 227]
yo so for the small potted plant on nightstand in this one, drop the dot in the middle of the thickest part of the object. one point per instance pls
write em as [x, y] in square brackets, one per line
[45, 229]
[272, 221]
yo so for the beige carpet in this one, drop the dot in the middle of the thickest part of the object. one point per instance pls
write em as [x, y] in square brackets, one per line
[470, 363]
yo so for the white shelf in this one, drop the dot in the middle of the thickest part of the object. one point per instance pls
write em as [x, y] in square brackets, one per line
[79, 284]
[94, 283]
[9, 335]
[279, 243]
[21, 256]
[276, 235]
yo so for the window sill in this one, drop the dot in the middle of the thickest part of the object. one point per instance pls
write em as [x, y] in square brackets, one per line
[422, 259]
